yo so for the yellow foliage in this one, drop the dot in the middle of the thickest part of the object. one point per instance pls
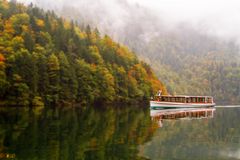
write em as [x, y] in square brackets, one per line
[20, 19]
[17, 43]
[124, 53]
[25, 28]
[93, 38]
[8, 28]
[2, 65]
[18, 39]
[4, 4]
[93, 49]
[81, 34]
[138, 72]
[120, 52]
[54, 24]
[66, 25]
[109, 42]
[9, 50]
[40, 23]
[95, 55]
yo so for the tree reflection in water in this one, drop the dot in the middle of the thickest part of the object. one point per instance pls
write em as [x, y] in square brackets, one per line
[117, 133]
[201, 135]
[75, 133]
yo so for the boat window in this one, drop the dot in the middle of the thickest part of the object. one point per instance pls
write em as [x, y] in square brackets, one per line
[209, 100]
[199, 100]
[165, 99]
[183, 100]
[177, 99]
[194, 99]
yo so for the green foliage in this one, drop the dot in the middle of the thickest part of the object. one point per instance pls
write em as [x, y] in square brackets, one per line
[194, 64]
[68, 81]
[45, 59]
[54, 79]
[18, 92]
[37, 101]
[3, 80]
[19, 21]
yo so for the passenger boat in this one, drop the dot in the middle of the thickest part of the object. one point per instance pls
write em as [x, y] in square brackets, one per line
[181, 101]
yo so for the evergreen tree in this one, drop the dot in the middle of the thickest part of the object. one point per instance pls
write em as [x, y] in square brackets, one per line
[45, 59]
[54, 81]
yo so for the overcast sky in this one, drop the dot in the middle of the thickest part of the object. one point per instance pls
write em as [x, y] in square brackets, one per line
[217, 17]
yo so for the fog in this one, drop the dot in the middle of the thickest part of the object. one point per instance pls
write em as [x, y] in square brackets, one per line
[150, 17]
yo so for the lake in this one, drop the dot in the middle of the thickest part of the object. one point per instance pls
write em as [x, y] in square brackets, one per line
[129, 132]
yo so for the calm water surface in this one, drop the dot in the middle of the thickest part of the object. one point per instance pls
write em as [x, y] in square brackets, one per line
[129, 132]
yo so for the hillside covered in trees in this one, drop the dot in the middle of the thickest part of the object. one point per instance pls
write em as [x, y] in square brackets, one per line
[195, 64]
[186, 57]
[45, 59]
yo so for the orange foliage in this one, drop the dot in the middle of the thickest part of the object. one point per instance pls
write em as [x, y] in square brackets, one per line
[5, 4]
[2, 58]
[109, 42]
[120, 52]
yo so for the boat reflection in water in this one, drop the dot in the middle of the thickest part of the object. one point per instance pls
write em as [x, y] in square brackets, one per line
[183, 113]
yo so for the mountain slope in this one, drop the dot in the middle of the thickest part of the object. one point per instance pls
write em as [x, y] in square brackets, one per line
[46, 59]
[196, 64]
[187, 59]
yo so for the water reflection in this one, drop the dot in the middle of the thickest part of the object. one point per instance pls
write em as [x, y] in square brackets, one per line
[129, 132]
[98, 133]
[216, 137]
[183, 113]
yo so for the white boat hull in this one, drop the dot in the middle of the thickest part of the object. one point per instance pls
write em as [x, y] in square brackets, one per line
[164, 105]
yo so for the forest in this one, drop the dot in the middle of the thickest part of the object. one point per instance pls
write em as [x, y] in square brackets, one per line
[196, 64]
[187, 58]
[45, 59]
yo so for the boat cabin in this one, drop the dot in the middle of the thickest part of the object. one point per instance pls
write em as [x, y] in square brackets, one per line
[185, 99]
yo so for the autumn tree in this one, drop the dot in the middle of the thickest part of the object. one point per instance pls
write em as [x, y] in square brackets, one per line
[54, 81]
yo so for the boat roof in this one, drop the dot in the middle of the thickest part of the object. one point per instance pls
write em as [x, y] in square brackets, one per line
[184, 96]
